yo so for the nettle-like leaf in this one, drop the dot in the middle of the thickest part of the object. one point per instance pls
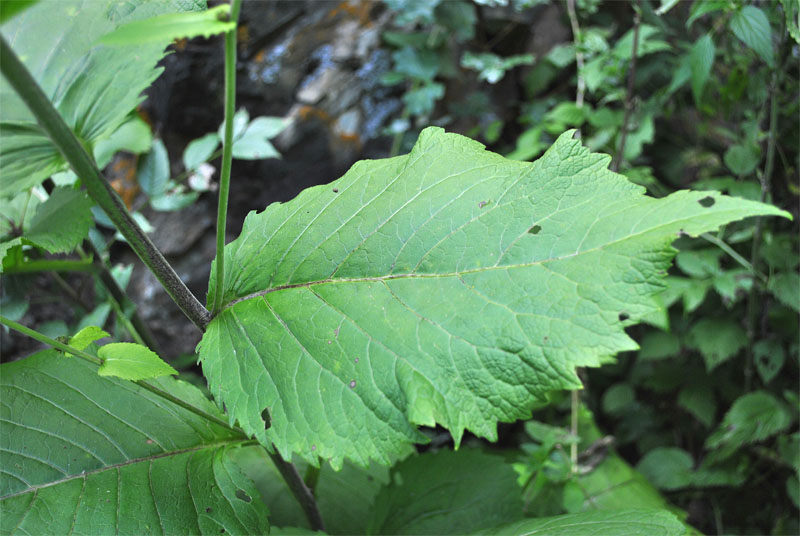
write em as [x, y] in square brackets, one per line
[92, 455]
[449, 286]
[93, 86]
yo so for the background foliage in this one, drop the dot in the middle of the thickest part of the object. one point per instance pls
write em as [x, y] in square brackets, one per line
[702, 420]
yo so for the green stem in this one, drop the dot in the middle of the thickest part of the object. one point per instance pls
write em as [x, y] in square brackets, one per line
[97, 361]
[734, 255]
[51, 265]
[227, 157]
[99, 189]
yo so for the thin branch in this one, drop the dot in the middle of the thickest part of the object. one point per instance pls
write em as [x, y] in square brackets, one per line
[629, 92]
[300, 491]
[99, 189]
[577, 38]
[765, 180]
[227, 158]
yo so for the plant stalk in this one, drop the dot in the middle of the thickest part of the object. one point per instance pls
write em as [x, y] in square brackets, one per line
[576, 37]
[99, 189]
[623, 135]
[97, 361]
[765, 179]
[227, 158]
[299, 490]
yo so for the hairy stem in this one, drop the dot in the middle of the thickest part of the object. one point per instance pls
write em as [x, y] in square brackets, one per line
[623, 136]
[97, 361]
[227, 157]
[99, 189]
[300, 491]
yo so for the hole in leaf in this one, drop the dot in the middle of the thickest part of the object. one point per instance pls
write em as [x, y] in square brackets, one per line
[707, 201]
[482, 204]
[313, 447]
[535, 229]
[353, 384]
[624, 316]
[266, 418]
[243, 496]
[208, 510]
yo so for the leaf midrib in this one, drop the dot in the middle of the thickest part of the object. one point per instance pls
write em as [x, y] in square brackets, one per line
[36, 488]
[388, 277]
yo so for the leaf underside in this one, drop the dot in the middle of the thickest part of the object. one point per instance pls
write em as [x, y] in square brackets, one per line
[449, 286]
[91, 455]
[94, 87]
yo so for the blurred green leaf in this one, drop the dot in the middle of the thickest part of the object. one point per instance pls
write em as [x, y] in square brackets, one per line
[753, 417]
[667, 468]
[717, 339]
[200, 150]
[701, 59]
[751, 25]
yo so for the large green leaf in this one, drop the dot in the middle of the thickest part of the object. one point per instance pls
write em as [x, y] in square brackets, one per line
[93, 455]
[448, 286]
[93, 86]
[447, 492]
[628, 522]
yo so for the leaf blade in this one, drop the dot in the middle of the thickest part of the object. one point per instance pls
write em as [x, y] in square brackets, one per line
[447, 286]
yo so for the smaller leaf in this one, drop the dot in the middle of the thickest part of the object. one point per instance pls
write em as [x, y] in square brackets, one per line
[741, 159]
[751, 26]
[659, 345]
[492, 67]
[253, 143]
[170, 201]
[200, 150]
[418, 64]
[701, 58]
[87, 336]
[133, 136]
[172, 26]
[698, 399]
[786, 287]
[131, 361]
[718, 339]
[154, 170]
[769, 358]
[97, 317]
[617, 398]
[752, 417]
[707, 6]
[61, 222]
[240, 121]
[421, 101]
[667, 467]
